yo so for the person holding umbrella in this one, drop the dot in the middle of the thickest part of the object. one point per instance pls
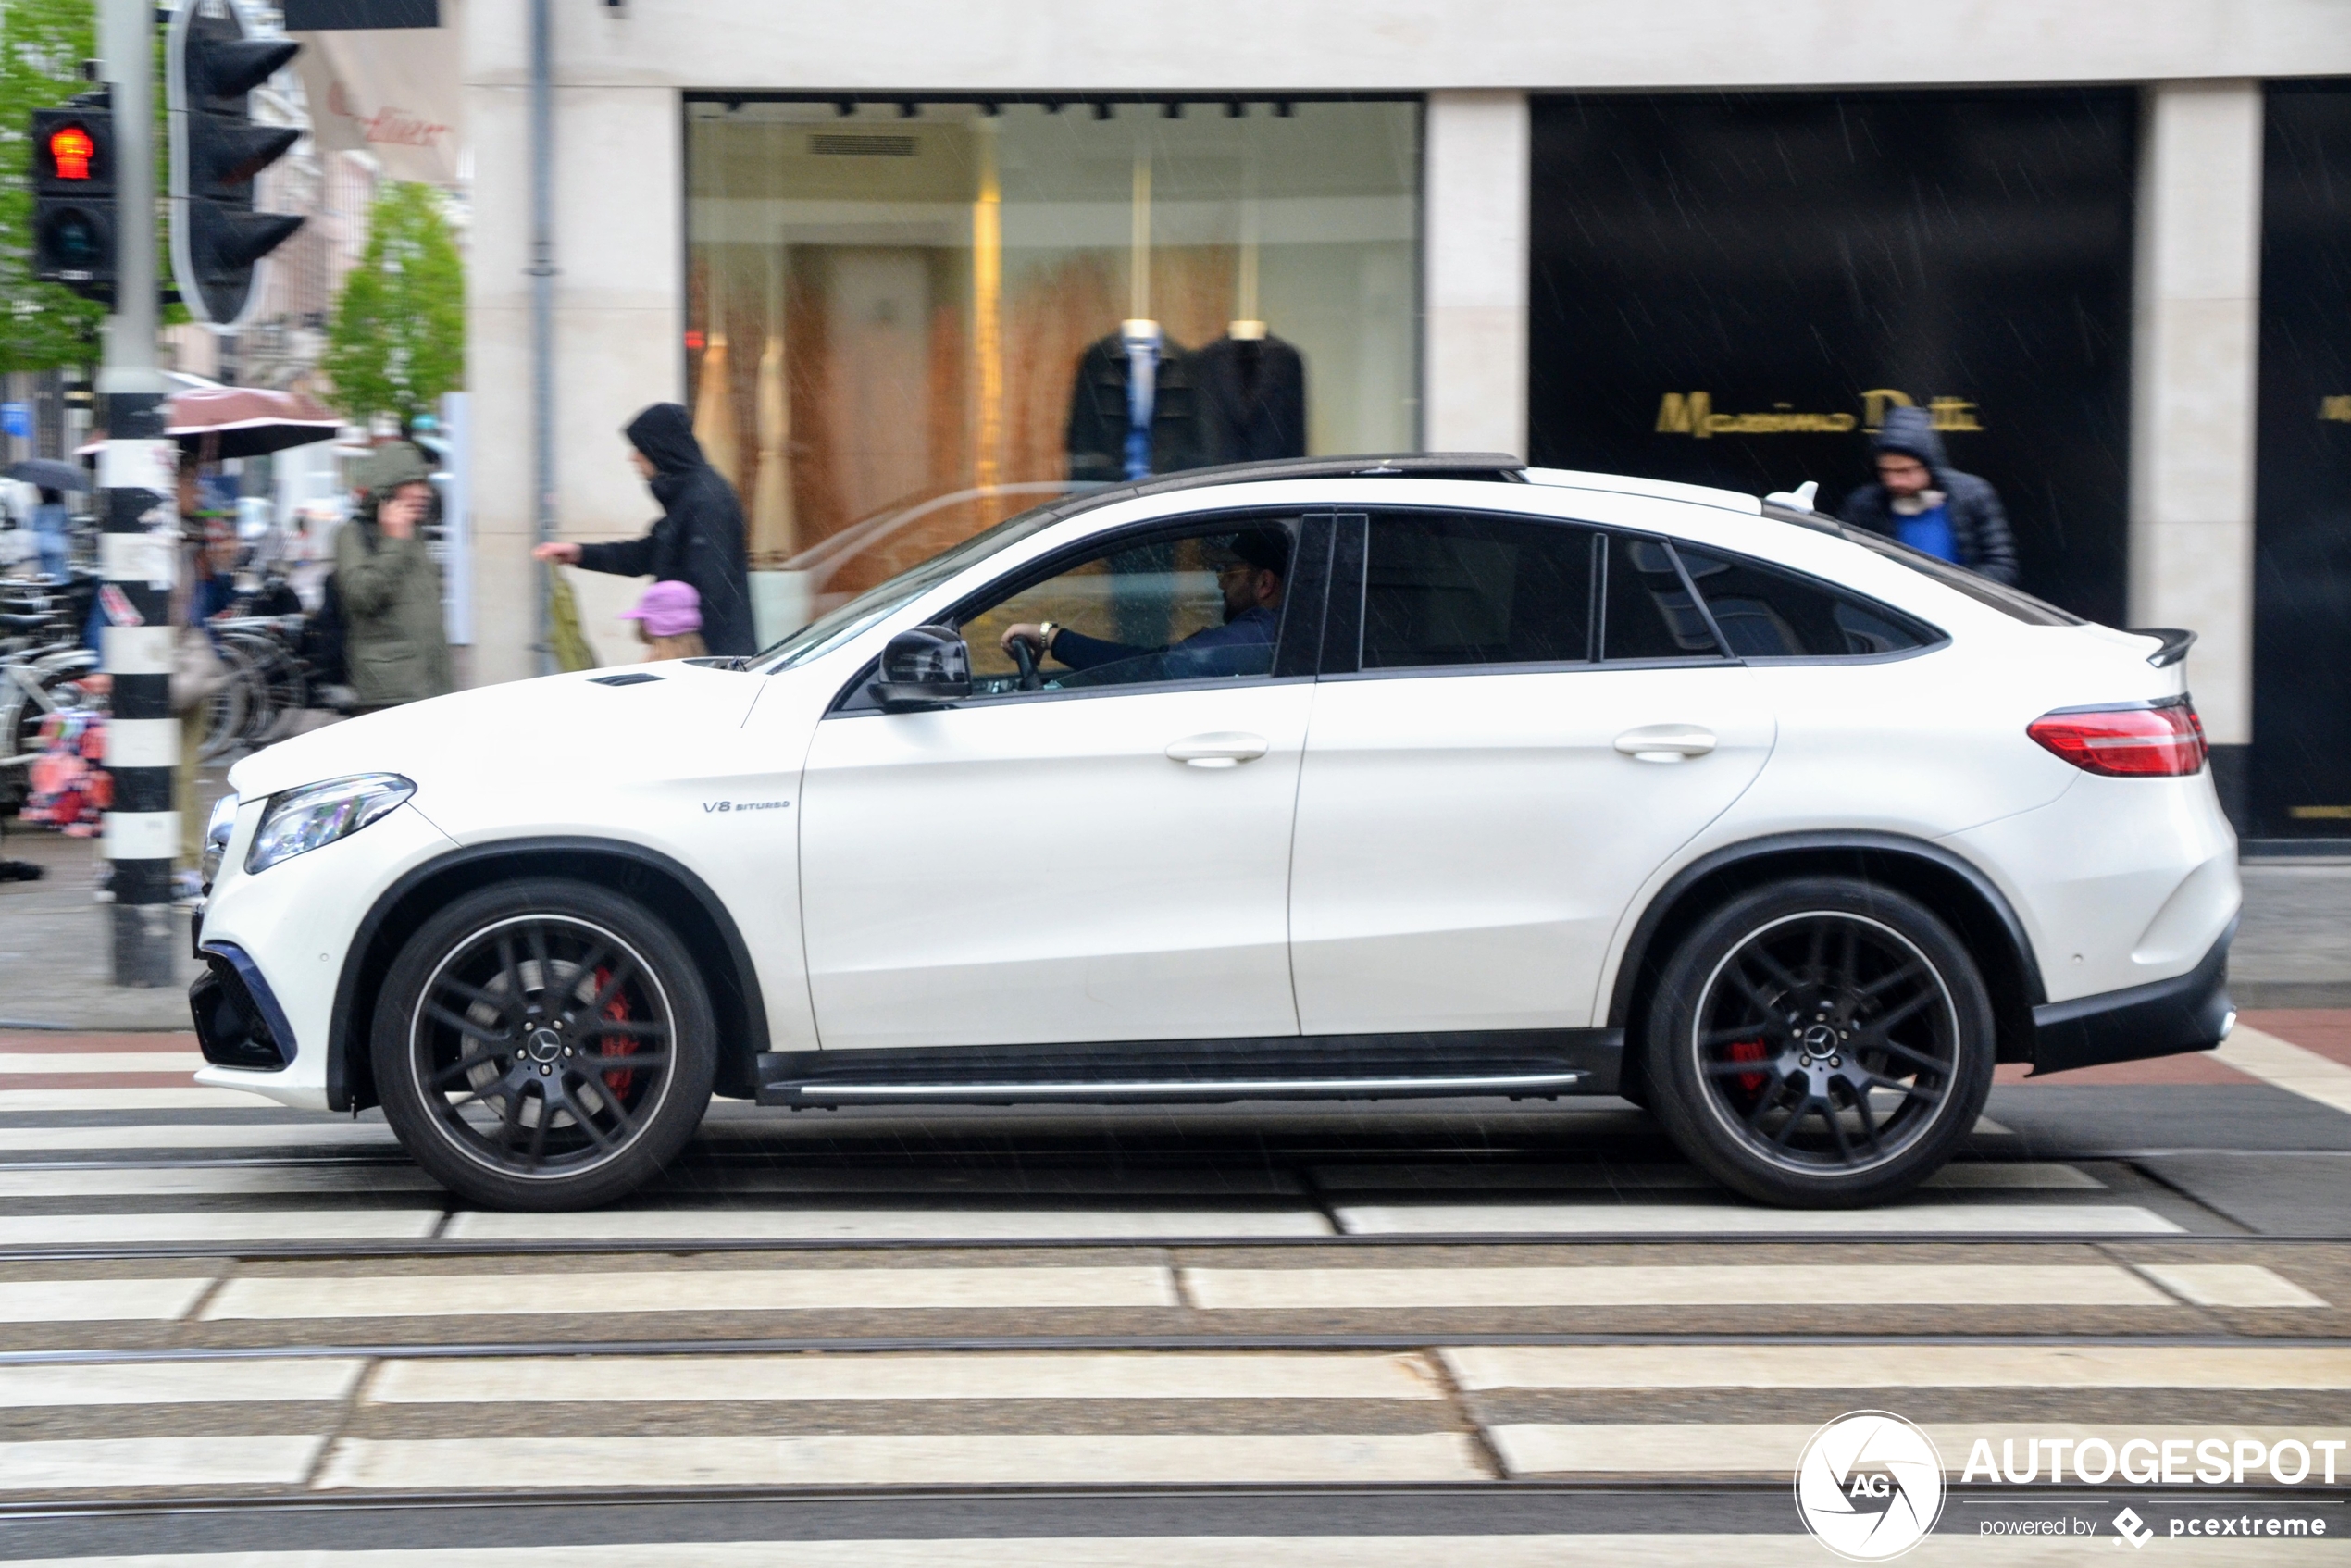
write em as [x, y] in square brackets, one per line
[52, 524]
[697, 539]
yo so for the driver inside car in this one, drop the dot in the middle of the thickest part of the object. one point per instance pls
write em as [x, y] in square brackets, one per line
[1249, 576]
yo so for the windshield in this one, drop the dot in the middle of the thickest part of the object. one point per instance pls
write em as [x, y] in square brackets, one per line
[836, 627]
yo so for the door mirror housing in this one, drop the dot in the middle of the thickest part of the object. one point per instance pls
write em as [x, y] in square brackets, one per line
[926, 667]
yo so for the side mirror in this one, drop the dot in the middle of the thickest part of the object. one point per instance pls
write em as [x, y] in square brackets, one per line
[926, 667]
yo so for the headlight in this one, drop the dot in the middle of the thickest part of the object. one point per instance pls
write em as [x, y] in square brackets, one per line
[301, 820]
[216, 838]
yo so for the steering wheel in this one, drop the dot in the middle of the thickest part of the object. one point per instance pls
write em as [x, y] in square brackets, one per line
[1026, 657]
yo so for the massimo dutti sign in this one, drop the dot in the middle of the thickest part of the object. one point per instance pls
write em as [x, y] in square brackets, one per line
[1693, 414]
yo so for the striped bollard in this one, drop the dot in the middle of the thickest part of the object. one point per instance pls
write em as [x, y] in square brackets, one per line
[137, 472]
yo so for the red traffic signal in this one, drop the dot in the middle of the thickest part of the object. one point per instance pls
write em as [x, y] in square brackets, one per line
[70, 150]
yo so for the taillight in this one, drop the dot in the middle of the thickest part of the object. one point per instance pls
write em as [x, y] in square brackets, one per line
[2163, 741]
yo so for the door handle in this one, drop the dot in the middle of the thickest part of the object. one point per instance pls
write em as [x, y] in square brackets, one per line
[1666, 742]
[1222, 748]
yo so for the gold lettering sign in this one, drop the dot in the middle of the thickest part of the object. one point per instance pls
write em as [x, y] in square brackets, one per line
[2320, 814]
[2337, 408]
[1692, 414]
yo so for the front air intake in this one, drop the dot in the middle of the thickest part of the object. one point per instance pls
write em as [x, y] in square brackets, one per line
[239, 1023]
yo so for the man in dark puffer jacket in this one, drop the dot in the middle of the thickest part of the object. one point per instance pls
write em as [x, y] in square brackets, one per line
[1922, 501]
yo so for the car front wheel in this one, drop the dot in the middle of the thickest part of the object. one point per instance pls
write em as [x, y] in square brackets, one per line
[1820, 1042]
[543, 1044]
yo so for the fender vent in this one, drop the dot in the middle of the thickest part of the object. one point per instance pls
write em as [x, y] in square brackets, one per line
[634, 677]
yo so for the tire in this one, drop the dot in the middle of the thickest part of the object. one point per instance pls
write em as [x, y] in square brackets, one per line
[1871, 1050]
[513, 1117]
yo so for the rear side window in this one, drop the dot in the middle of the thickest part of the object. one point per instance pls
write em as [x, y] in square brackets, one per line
[1444, 588]
[1649, 611]
[1765, 613]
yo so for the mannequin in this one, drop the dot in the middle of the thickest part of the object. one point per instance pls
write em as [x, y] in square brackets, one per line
[1251, 394]
[1133, 410]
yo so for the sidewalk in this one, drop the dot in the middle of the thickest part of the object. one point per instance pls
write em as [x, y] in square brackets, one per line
[2294, 950]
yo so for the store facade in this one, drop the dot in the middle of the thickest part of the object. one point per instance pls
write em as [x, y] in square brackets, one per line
[925, 265]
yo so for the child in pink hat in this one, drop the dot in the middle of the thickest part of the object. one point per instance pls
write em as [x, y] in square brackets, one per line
[669, 621]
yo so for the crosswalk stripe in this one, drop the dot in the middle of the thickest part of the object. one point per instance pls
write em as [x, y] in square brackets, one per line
[219, 1225]
[1668, 1285]
[2288, 1066]
[119, 1464]
[687, 1290]
[1913, 1365]
[867, 1459]
[97, 1301]
[323, 1132]
[885, 1225]
[259, 1380]
[2230, 1285]
[160, 1180]
[1123, 1374]
[192, 1099]
[1967, 1175]
[46, 1062]
[1543, 1448]
[1616, 1219]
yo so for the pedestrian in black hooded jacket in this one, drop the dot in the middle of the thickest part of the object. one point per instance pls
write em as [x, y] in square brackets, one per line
[1924, 502]
[698, 539]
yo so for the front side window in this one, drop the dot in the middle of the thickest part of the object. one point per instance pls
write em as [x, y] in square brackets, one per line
[1465, 589]
[1195, 606]
[1768, 613]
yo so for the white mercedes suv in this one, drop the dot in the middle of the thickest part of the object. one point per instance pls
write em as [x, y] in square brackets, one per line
[1348, 777]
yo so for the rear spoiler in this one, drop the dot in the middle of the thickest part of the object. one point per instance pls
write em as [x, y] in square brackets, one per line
[2176, 643]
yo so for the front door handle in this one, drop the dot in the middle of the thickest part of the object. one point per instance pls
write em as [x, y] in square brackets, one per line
[1221, 748]
[1666, 742]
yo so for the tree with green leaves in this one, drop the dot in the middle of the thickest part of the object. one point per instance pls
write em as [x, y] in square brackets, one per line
[398, 340]
[43, 43]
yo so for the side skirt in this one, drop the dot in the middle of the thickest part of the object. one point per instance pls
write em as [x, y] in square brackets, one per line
[1520, 1063]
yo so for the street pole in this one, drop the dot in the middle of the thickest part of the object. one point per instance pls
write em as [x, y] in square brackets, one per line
[542, 324]
[138, 501]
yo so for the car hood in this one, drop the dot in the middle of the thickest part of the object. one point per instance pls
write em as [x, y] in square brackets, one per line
[524, 729]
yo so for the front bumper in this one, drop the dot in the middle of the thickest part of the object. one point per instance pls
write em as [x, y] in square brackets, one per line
[2190, 1012]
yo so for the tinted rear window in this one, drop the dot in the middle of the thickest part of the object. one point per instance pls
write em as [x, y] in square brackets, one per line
[1767, 613]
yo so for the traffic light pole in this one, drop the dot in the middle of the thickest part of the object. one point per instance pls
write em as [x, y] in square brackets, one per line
[138, 501]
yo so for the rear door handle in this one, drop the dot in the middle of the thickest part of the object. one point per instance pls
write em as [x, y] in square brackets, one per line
[1666, 742]
[1221, 748]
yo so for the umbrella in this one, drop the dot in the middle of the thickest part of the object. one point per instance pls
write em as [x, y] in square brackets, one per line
[50, 474]
[219, 422]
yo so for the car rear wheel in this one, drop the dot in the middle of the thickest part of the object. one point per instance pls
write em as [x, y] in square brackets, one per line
[1820, 1043]
[543, 1044]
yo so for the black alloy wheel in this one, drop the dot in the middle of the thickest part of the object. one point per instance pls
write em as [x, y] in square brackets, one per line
[1820, 1042]
[543, 1045]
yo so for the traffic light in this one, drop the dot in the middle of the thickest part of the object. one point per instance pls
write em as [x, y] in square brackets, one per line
[216, 238]
[73, 195]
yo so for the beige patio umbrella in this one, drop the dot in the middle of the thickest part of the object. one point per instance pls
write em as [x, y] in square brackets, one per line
[774, 534]
[714, 412]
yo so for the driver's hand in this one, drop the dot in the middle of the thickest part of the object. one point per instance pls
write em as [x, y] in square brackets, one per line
[1026, 631]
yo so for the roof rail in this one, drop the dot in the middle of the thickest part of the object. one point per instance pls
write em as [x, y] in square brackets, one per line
[1490, 466]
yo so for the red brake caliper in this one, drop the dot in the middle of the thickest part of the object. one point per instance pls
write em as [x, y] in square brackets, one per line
[1748, 1050]
[616, 1009]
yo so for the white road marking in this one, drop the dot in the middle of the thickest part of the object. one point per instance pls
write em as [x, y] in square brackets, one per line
[58, 1062]
[688, 1290]
[15, 1100]
[990, 1375]
[149, 1181]
[1617, 1219]
[2230, 1285]
[884, 1224]
[120, 1464]
[261, 1379]
[1968, 1175]
[2288, 1066]
[219, 1225]
[1911, 1365]
[1772, 1450]
[96, 1300]
[967, 1459]
[1670, 1285]
[323, 1132]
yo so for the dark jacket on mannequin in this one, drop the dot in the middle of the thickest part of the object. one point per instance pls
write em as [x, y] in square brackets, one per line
[1253, 397]
[699, 537]
[1097, 442]
[1979, 526]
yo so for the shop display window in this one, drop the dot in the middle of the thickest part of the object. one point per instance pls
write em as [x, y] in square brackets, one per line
[909, 320]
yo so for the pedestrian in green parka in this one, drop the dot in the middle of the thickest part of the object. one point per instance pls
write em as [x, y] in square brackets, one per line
[394, 645]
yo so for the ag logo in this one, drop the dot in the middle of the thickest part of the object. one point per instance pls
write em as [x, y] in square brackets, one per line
[1869, 1486]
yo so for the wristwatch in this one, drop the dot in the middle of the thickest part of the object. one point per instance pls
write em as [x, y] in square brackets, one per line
[1045, 632]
